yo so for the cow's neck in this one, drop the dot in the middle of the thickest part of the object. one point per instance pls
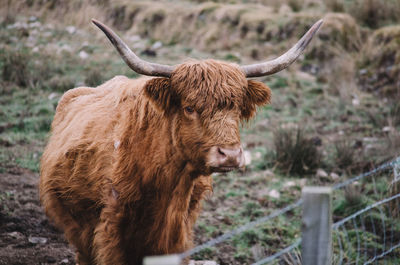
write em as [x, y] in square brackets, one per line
[157, 177]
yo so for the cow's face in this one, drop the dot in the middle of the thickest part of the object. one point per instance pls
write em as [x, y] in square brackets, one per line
[206, 102]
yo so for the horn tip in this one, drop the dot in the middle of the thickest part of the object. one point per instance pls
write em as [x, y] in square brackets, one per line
[319, 23]
[310, 34]
[95, 21]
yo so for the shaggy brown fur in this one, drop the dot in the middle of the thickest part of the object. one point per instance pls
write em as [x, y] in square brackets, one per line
[126, 167]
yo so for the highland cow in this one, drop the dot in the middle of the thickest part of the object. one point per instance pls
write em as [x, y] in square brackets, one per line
[128, 162]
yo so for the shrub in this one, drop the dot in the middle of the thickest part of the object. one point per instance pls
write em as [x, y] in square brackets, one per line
[15, 66]
[371, 13]
[376, 13]
[380, 65]
[295, 153]
[352, 158]
[335, 5]
[25, 69]
[344, 154]
[94, 77]
[61, 83]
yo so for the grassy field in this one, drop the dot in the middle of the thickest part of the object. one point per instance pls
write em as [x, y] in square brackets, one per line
[334, 113]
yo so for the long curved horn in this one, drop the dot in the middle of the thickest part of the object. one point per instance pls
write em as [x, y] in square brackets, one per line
[283, 61]
[135, 63]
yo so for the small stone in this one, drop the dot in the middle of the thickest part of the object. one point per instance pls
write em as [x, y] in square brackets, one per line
[16, 235]
[157, 45]
[321, 173]
[247, 158]
[35, 24]
[334, 176]
[363, 71]
[37, 240]
[274, 194]
[386, 129]
[65, 261]
[289, 184]
[70, 29]
[83, 55]
[32, 19]
[355, 102]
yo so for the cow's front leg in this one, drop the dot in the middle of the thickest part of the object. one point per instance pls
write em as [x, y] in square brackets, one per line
[108, 245]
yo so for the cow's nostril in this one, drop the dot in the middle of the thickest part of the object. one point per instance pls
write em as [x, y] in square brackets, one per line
[226, 158]
[221, 152]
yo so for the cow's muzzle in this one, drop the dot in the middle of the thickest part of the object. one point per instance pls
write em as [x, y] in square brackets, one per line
[226, 158]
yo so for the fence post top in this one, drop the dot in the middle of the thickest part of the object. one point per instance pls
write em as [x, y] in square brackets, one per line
[164, 260]
[319, 190]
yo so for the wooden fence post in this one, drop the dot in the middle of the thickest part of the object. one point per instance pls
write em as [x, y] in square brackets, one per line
[162, 260]
[316, 246]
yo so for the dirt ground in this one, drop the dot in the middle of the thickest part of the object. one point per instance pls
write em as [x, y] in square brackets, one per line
[26, 236]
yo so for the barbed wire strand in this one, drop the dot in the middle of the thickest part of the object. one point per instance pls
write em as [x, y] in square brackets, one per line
[240, 229]
[384, 166]
[340, 247]
[374, 231]
[391, 227]
[344, 220]
[365, 241]
[346, 236]
[381, 213]
[358, 239]
[278, 254]
[382, 254]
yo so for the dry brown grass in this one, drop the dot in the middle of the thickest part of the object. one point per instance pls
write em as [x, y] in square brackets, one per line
[73, 12]
[381, 62]
[295, 153]
[335, 5]
[376, 13]
[339, 33]
[370, 13]
[210, 26]
[15, 67]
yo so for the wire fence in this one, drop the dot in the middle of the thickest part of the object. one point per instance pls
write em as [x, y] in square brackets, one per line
[366, 228]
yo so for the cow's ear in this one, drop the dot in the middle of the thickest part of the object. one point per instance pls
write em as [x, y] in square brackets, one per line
[257, 94]
[159, 91]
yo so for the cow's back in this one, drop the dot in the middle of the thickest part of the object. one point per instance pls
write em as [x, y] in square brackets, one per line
[79, 155]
